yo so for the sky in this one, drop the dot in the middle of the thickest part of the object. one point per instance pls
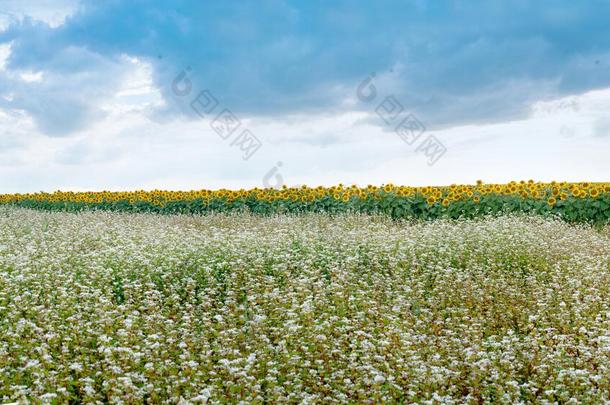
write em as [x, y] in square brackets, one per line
[124, 95]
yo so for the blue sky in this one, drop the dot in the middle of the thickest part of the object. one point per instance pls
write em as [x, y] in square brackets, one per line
[506, 90]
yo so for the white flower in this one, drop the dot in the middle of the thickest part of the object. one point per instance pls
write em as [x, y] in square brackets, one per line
[379, 379]
[203, 397]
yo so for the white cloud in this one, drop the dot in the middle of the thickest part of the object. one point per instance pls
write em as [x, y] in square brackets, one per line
[126, 150]
[5, 52]
[31, 76]
[137, 91]
[62, 105]
[52, 12]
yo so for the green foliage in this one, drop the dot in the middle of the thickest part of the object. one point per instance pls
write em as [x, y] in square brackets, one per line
[573, 209]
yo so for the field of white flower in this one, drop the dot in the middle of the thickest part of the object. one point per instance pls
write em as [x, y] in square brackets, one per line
[110, 307]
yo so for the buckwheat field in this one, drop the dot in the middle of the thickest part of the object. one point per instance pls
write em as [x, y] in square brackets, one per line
[101, 306]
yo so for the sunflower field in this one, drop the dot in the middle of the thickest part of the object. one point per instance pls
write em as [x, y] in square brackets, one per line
[573, 202]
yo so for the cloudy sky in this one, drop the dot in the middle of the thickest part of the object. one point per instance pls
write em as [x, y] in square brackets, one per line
[140, 95]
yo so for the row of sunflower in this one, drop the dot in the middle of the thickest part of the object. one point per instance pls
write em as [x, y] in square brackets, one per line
[573, 201]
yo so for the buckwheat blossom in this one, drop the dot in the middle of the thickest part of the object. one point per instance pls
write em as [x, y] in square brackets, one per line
[102, 307]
